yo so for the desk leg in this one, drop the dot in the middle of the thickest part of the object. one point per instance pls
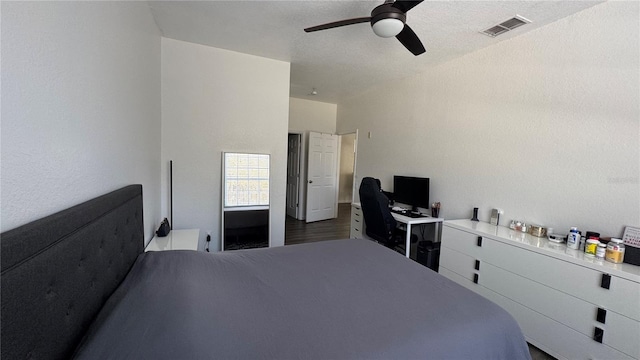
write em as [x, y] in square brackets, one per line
[408, 241]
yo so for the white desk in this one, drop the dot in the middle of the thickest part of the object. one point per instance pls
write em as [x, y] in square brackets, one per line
[175, 240]
[417, 221]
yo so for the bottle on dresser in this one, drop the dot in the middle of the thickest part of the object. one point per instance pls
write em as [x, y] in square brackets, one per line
[573, 239]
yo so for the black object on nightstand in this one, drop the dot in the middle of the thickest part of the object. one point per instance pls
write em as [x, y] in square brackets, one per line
[429, 254]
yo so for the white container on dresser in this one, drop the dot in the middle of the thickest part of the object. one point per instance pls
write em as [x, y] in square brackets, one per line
[568, 304]
[357, 222]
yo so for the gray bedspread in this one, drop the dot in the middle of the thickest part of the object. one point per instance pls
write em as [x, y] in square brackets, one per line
[342, 299]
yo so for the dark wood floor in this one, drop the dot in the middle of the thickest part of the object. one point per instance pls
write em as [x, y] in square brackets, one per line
[298, 231]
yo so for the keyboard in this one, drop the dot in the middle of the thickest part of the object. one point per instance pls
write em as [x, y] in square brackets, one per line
[413, 215]
[407, 213]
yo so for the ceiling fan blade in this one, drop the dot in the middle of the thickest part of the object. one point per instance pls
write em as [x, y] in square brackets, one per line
[405, 6]
[338, 24]
[410, 40]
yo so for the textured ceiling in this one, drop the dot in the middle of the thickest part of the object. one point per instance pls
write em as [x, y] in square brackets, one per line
[344, 61]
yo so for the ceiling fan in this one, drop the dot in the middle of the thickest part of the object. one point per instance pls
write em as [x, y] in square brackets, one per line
[387, 20]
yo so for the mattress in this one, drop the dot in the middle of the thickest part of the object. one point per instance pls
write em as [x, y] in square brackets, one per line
[342, 299]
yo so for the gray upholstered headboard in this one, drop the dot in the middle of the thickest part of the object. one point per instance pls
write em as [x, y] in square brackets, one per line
[57, 272]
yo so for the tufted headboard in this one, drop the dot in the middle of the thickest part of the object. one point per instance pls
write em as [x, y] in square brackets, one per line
[57, 272]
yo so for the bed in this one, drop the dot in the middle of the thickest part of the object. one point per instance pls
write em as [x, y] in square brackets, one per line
[78, 284]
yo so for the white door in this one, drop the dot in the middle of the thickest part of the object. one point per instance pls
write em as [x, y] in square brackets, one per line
[322, 186]
[293, 175]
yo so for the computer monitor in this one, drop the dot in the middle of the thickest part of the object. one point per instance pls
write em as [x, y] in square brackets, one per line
[412, 191]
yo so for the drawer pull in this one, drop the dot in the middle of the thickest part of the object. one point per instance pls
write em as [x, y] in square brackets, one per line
[479, 243]
[475, 278]
[605, 283]
[356, 214]
[356, 229]
[598, 335]
[602, 316]
[356, 220]
[477, 267]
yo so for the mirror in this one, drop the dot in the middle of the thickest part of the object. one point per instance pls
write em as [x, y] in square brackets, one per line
[245, 205]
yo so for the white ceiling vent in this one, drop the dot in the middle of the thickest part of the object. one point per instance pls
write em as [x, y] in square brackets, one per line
[505, 26]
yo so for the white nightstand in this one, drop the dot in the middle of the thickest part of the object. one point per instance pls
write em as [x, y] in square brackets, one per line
[176, 240]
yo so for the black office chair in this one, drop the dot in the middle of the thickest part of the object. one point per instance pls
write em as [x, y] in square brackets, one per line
[379, 223]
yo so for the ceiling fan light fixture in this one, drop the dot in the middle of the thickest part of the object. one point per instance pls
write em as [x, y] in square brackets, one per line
[387, 28]
[387, 20]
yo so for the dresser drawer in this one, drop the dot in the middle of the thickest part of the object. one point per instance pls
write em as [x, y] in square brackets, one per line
[462, 241]
[566, 305]
[357, 223]
[619, 332]
[459, 263]
[622, 333]
[566, 309]
[356, 229]
[547, 334]
[553, 337]
[581, 282]
[356, 211]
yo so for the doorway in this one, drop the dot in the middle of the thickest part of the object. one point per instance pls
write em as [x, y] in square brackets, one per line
[298, 164]
[322, 176]
[347, 187]
[294, 176]
[298, 231]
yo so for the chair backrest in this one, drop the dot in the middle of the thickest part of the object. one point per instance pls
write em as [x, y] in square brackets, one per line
[379, 222]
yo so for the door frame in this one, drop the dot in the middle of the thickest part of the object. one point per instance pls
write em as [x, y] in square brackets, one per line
[354, 186]
[302, 181]
[293, 181]
[302, 184]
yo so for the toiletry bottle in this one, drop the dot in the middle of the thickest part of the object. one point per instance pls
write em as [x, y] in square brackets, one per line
[573, 240]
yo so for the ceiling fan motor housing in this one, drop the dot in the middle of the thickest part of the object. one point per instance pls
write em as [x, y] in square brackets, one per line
[391, 20]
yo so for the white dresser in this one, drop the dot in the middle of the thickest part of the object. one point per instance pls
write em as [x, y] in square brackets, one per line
[357, 222]
[175, 240]
[569, 305]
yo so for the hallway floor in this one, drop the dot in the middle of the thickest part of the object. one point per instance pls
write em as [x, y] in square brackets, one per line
[299, 231]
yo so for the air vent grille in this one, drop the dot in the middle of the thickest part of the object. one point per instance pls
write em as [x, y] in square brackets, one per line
[496, 30]
[505, 26]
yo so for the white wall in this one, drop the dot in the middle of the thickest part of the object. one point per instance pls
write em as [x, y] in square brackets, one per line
[308, 115]
[215, 100]
[304, 116]
[81, 106]
[545, 126]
